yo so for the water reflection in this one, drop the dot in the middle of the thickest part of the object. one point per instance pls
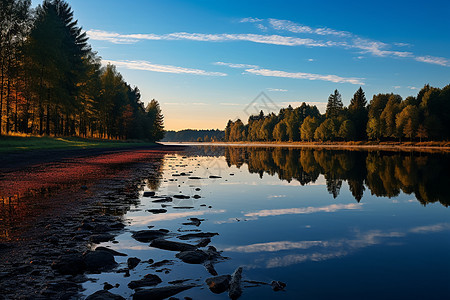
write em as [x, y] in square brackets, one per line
[382, 173]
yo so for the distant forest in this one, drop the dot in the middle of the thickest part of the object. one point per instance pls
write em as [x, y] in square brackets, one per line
[192, 135]
[53, 83]
[387, 117]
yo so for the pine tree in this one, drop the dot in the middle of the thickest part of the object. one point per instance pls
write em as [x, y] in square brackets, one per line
[334, 105]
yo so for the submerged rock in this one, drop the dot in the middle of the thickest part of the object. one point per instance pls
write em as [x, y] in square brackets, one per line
[146, 236]
[132, 262]
[70, 264]
[197, 235]
[277, 285]
[104, 295]
[218, 284]
[181, 196]
[148, 280]
[157, 210]
[193, 257]
[100, 238]
[161, 292]
[162, 200]
[194, 221]
[99, 260]
[113, 252]
[171, 245]
[235, 290]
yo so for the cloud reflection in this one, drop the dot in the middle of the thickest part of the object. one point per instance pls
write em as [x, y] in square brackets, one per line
[304, 210]
[145, 220]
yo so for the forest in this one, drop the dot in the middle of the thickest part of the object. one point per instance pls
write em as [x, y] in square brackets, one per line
[193, 135]
[54, 84]
[387, 117]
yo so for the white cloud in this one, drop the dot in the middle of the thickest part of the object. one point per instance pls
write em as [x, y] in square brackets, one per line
[434, 60]
[276, 90]
[238, 66]
[412, 88]
[148, 66]
[328, 38]
[311, 59]
[256, 38]
[250, 20]
[397, 87]
[301, 75]
[298, 28]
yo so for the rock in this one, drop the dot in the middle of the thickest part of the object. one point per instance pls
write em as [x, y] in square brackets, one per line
[99, 260]
[193, 257]
[210, 268]
[132, 262]
[278, 285]
[100, 238]
[148, 280]
[196, 196]
[148, 194]
[181, 196]
[203, 242]
[70, 264]
[162, 200]
[214, 177]
[161, 263]
[194, 177]
[235, 290]
[197, 189]
[197, 235]
[171, 245]
[183, 207]
[194, 221]
[104, 295]
[218, 284]
[157, 210]
[146, 236]
[113, 252]
[161, 292]
[107, 286]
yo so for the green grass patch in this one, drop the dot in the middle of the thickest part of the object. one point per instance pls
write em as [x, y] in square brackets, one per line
[20, 143]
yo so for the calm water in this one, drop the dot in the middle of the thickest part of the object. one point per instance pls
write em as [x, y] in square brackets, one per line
[330, 224]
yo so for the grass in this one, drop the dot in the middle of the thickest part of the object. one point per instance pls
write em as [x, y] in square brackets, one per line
[24, 143]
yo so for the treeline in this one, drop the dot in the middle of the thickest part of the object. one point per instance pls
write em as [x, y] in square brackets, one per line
[53, 83]
[383, 174]
[386, 117]
[192, 135]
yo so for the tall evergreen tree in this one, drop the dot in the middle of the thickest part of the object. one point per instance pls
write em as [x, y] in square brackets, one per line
[334, 105]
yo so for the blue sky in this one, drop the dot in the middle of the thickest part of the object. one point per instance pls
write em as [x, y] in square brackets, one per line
[205, 61]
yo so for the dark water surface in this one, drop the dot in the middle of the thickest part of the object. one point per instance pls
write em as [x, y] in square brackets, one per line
[330, 224]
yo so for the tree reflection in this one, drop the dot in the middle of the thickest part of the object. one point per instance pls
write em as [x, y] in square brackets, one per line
[382, 173]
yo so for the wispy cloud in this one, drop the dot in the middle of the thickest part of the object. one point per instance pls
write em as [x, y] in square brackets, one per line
[202, 37]
[298, 28]
[326, 37]
[434, 60]
[237, 66]
[148, 66]
[276, 90]
[350, 41]
[301, 75]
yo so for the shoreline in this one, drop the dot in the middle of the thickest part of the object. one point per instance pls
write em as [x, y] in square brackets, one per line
[338, 146]
[66, 221]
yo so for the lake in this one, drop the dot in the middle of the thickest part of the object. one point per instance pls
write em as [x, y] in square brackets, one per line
[328, 223]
